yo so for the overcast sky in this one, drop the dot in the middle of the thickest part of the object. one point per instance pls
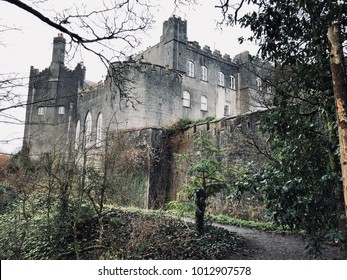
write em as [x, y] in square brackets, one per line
[32, 46]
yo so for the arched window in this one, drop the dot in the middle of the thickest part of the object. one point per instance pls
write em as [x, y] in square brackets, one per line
[99, 131]
[78, 135]
[191, 68]
[258, 83]
[232, 82]
[204, 73]
[221, 79]
[88, 129]
[203, 103]
[186, 99]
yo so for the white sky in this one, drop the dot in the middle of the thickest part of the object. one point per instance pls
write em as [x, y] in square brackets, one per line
[32, 46]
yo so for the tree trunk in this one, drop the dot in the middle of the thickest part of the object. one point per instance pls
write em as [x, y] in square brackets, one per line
[200, 202]
[340, 92]
[338, 72]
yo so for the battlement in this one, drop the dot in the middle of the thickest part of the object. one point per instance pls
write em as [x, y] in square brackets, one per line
[37, 72]
[206, 50]
[91, 89]
[174, 29]
[148, 67]
[174, 19]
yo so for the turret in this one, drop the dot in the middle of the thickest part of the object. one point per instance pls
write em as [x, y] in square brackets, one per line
[58, 55]
[174, 29]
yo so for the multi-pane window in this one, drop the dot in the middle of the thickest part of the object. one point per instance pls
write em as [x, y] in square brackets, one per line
[41, 111]
[61, 110]
[204, 73]
[203, 103]
[221, 79]
[99, 131]
[186, 99]
[191, 69]
[88, 129]
[232, 82]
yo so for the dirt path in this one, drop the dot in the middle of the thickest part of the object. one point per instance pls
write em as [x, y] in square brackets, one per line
[261, 245]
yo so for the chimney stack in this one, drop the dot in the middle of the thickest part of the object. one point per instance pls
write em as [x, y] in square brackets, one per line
[59, 49]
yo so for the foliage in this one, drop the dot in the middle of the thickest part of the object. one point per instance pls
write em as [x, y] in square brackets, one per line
[8, 197]
[302, 181]
[298, 183]
[205, 177]
[180, 125]
[270, 226]
[206, 119]
[127, 235]
[181, 208]
[36, 235]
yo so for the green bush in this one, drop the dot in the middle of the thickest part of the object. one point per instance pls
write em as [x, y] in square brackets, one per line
[8, 197]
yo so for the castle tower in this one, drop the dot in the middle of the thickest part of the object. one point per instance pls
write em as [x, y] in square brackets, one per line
[58, 56]
[51, 104]
[174, 39]
[59, 49]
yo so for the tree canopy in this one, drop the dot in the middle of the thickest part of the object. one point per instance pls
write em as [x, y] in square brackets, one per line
[303, 181]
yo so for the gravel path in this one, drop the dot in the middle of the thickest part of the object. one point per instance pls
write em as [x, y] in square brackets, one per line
[261, 245]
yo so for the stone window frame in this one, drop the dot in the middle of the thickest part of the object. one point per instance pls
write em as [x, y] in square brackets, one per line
[186, 97]
[232, 82]
[99, 131]
[227, 109]
[78, 135]
[221, 79]
[88, 128]
[258, 83]
[61, 110]
[203, 103]
[41, 110]
[191, 69]
[204, 73]
[269, 89]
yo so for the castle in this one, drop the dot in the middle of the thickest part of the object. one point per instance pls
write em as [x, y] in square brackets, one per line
[172, 80]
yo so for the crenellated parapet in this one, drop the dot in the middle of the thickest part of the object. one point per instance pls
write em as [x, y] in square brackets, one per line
[207, 52]
[148, 68]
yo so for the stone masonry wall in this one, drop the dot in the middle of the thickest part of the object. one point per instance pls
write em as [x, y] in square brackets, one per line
[238, 139]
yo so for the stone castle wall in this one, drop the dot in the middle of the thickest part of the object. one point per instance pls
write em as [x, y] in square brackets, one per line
[154, 85]
[238, 139]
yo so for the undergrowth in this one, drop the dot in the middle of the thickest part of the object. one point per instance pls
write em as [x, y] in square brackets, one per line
[126, 234]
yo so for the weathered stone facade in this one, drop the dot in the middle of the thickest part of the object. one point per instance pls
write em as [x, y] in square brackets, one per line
[172, 80]
[51, 104]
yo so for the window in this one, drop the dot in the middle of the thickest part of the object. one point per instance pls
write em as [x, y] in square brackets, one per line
[232, 82]
[41, 111]
[203, 103]
[203, 73]
[88, 129]
[191, 69]
[258, 83]
[186, 99]
[227, 109]
[99, 131]
[269, 89]
[221, 79]
[78, 134]
[61, 110]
